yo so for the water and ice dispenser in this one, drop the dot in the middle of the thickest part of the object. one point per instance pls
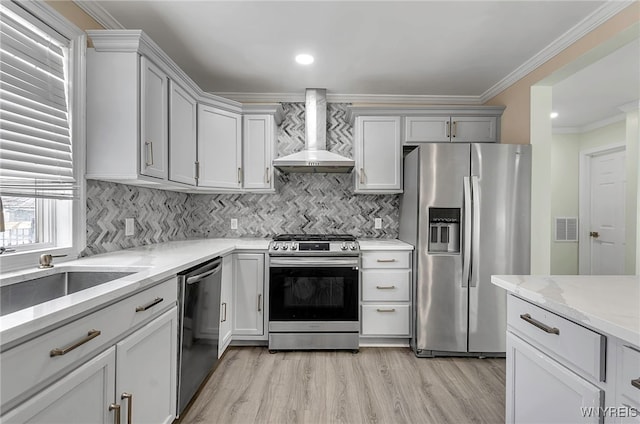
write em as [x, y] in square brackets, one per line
[444, 230]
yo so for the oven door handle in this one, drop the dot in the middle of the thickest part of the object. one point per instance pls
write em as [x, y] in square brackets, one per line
[307, 262]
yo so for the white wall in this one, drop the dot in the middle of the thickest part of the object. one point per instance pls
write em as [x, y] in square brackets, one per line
[540, 179]
[565, 174]
[564, 187]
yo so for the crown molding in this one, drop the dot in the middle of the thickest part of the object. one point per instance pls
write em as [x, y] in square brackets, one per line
[582, 28]
[595, 19]
[389, 99]
[97, 12]
[592, 126]
[630, 107]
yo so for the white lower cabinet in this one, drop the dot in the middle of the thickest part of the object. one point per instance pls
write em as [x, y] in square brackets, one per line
[146, 383]
[78, 372]
[248, 295]
[226, 307]
[385, 294]
[146, 372]
[541, 390]
[628, 384]
[83, 396]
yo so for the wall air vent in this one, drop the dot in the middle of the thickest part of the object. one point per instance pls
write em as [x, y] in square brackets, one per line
[566, 228]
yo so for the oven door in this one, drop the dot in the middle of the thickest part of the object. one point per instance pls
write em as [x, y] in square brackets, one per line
[313, 289]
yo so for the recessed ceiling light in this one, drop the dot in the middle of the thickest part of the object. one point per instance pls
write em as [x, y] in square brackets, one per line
[304, 59]
[554, 115]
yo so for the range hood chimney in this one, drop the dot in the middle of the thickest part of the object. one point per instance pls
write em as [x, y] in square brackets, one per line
[315, 157]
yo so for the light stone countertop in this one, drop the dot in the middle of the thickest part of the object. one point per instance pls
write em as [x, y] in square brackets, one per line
[383, 244]
[607, 304]
[151, 264]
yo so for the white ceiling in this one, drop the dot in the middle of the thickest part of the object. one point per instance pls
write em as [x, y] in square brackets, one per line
[402, 51]
[595, 93]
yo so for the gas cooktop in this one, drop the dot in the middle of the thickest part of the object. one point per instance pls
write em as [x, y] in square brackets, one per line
[314, 244]
[314, 237]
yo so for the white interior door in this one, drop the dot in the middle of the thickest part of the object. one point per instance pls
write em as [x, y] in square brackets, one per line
[606, 211]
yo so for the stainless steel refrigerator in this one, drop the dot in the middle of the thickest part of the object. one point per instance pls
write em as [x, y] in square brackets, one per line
[466, 209]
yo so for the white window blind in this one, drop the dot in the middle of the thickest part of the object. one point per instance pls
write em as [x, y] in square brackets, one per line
[36, 157]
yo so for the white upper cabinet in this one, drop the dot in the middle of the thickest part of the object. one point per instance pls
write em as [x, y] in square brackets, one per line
[219, 148]
[378, 154]
[182, 135]
[438, 129]
[153, 125]
[429, 129]
[258, 137]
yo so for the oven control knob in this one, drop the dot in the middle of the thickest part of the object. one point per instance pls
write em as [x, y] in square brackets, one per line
[276, 246]
[352, 246]
[343, 246]
[294, 246]
[285, 246]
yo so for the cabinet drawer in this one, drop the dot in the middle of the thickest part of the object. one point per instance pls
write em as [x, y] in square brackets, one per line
[630, 377]
[567, 341]
[385, 259]
[385, 285]
[385, 320]
[30, 364]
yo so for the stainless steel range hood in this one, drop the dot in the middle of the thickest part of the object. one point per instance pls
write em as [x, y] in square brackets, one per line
[315, 157]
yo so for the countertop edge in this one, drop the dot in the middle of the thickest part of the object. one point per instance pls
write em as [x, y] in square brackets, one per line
[579, 315]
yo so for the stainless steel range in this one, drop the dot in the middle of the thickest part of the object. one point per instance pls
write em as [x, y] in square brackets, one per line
[313, 292]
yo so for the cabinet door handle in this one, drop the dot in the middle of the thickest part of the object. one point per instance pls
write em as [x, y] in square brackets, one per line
[454, 129]
[260, 302]
[197, 170]
[361, 175]
[540, 325]
[636, 383]
[386, 310]
[239, 175]
[386, 260]
[149, 145]
[268, 176]
[116, 414]
[448, 127]
[64, 350]
[224, 316]
[151, 304]
[129, 398]
[385, 287]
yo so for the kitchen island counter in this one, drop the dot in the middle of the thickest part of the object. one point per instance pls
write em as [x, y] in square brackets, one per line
[607, 304]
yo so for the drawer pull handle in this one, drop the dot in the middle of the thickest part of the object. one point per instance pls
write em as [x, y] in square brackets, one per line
[386, 310]
[151, 304]
[63, 351]
[543, 327]
[385, 287]
[386, 260]
[636, 383]
[116, 415]
[129, 398]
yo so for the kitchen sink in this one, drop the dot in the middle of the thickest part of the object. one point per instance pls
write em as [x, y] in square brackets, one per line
[24, 294]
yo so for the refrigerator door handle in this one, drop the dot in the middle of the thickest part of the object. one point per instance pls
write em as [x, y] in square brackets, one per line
[475, 236]
[466, 242]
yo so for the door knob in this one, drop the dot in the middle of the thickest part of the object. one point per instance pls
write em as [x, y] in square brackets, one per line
[594, 234]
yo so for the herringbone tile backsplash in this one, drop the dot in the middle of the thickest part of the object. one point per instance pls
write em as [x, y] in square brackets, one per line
[303, 203]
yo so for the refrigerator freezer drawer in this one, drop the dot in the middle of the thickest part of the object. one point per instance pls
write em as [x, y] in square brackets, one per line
[385, 285]
[385, 320]
[577, 346]
[385, 259]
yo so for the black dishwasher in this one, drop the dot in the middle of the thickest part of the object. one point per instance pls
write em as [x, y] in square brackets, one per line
[198, 327]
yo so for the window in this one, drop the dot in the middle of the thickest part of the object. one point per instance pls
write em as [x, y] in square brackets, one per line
[41, 134]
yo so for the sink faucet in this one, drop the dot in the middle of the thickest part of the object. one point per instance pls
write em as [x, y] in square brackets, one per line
[46, 260]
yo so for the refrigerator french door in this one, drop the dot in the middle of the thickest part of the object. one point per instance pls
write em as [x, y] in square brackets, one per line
[466, 208]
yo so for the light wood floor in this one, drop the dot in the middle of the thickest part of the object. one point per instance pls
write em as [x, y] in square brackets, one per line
[377, 385]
